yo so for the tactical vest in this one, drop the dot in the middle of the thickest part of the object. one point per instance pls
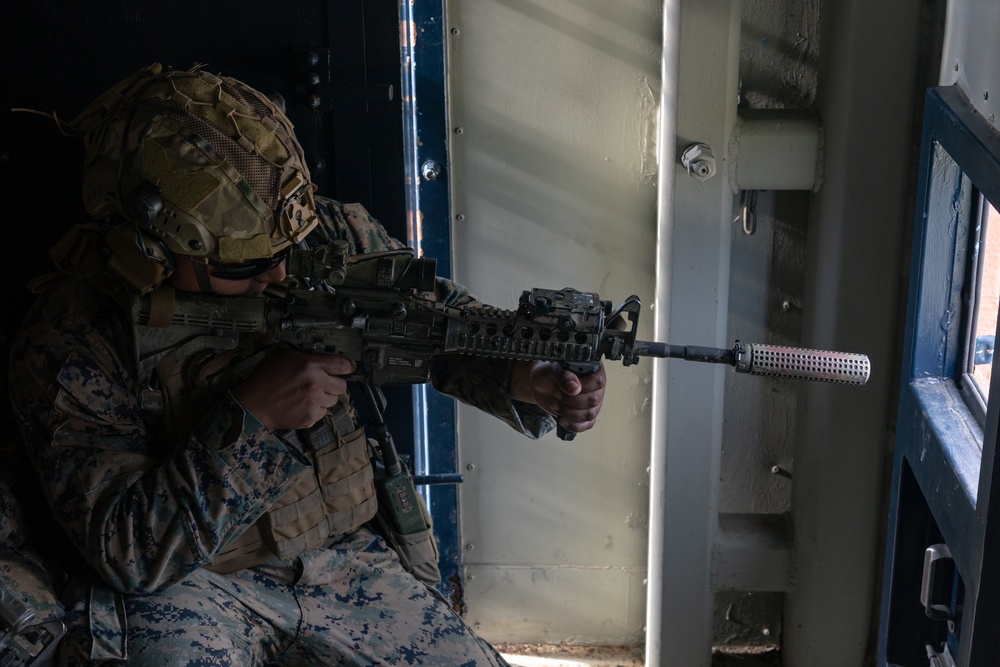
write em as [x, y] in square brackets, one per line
[184, 370]
[188, 371]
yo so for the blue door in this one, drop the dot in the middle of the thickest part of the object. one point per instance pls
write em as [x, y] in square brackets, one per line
[428, 214]
[941, 594]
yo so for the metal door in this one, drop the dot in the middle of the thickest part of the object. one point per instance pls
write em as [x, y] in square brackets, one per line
[941, 596]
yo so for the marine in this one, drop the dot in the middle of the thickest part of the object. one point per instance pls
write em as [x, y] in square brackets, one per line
[221, 500]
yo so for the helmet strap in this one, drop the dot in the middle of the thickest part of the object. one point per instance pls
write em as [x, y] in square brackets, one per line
[201, 275]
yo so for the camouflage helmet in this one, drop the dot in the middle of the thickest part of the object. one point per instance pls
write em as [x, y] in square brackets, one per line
[204, 164]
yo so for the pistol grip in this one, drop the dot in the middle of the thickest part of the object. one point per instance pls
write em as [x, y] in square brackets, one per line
[580, 369]
[564, 434]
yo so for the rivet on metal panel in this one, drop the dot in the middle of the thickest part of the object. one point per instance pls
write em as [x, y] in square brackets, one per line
[778, 470]
[431, 170]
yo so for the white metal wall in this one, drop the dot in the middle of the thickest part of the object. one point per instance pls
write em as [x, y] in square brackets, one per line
[553, 105]
[971, 56]
[553, 108]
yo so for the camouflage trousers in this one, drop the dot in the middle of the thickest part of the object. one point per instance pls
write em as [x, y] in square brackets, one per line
[350, 604]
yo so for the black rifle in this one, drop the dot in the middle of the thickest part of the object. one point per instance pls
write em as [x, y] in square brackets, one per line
[374, 309]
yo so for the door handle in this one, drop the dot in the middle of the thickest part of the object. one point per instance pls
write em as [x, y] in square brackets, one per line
[937, 582]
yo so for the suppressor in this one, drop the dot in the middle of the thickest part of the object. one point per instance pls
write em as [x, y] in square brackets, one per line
[774, 360]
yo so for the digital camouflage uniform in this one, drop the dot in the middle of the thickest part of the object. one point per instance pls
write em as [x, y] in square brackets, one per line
[24, 579]
[147, 516]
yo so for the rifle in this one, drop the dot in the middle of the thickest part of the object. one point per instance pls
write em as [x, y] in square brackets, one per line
[373, 309]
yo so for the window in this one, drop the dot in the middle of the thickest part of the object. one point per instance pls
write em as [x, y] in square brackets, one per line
[985, 290]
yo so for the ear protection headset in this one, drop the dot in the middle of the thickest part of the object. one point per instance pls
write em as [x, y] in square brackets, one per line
[144, 204]
[138, 256]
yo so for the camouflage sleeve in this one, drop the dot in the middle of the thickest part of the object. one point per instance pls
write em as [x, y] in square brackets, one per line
[24, 575]
[11, 523]
[479, 382]
[482, 382]
[21, 570]
[351, 223]
[143, 513]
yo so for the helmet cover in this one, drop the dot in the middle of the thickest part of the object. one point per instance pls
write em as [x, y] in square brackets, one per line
[204, 163]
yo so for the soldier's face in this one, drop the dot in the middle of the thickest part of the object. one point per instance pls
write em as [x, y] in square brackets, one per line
[185, 277]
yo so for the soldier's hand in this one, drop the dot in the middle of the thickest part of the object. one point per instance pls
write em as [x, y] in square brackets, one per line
[574, 401]
[291, 390]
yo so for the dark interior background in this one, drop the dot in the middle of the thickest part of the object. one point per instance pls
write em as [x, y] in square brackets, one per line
[336, 62]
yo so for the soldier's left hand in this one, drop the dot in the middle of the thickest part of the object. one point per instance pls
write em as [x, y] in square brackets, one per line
[574, 401]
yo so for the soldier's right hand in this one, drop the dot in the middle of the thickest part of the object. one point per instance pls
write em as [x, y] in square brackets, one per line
[292, 390]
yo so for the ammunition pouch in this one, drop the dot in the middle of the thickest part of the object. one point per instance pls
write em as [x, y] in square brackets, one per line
[418, 552]
[333, 499]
